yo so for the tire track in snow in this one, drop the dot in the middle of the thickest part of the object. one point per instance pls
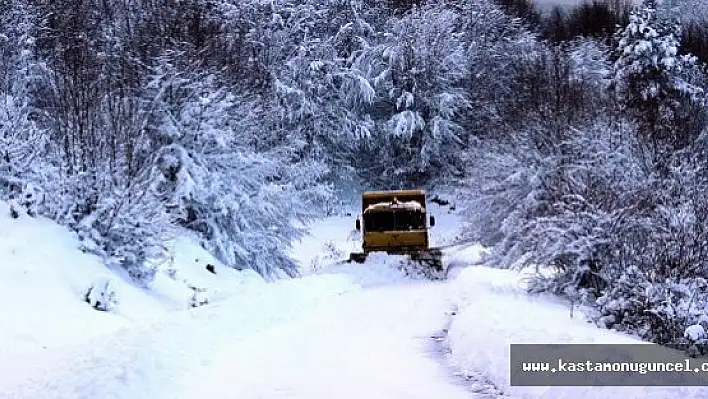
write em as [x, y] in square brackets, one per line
[477, 383]
[370, 344]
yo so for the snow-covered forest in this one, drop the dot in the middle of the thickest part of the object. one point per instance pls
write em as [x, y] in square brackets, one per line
[574, 139]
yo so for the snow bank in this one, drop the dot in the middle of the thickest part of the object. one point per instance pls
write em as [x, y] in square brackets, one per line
[494, 311]
[328, 241]
[44, 278]
[188, 268]
[164, 358]
[456, 258]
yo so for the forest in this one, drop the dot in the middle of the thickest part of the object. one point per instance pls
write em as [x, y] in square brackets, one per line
[572, 139]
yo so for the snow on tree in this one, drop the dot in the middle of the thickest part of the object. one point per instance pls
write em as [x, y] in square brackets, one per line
[129, 229]
[647, 73]
[496, 45]
[22, 141]
[589, 63]
[686, 10]
[210, 178]
[618, 238]
[417, 72]
[320, 94]
[102, 295]
[695, 332]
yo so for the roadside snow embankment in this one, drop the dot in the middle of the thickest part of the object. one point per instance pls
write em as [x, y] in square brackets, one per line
[44, 277]
[55, 345]
[493, 311]
[164, 358]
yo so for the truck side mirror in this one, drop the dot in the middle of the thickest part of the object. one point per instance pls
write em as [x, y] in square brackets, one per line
[432, 221]
[358, 224]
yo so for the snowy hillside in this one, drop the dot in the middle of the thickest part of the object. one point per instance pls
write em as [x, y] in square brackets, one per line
[44, 278]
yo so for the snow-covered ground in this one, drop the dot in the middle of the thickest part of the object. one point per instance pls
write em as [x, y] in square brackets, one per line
[44, 278]
[164, 358]
[373, 343]
[343, 330]
[494, 311]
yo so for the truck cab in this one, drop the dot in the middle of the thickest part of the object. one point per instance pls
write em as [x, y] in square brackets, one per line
[394, 221]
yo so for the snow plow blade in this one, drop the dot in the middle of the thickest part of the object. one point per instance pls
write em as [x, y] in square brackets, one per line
[426, 262]
[431, 258]
[431, 264]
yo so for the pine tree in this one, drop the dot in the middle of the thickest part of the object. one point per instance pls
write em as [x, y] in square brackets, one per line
[647, 75]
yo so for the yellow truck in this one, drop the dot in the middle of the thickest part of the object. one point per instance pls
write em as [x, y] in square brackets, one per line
[396, 222]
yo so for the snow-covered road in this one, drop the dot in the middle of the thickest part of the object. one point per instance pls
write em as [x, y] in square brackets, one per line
[375, 343]
[345, 331]
[341, 331]
[322, 336]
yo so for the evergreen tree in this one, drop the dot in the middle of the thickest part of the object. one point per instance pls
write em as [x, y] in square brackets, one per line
[647, 76]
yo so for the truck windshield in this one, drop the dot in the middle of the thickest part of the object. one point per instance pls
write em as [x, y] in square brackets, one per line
[394, 221]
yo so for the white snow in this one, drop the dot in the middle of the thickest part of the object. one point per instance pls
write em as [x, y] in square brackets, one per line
[494, 311]
[44, 278]
[328, 241]
[342, 331]
[378, 205]
[163, 357]
[373, 343]
[695, 333]
[408, 205]
[362, 331]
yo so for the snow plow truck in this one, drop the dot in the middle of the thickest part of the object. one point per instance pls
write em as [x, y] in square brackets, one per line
[396, 222]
